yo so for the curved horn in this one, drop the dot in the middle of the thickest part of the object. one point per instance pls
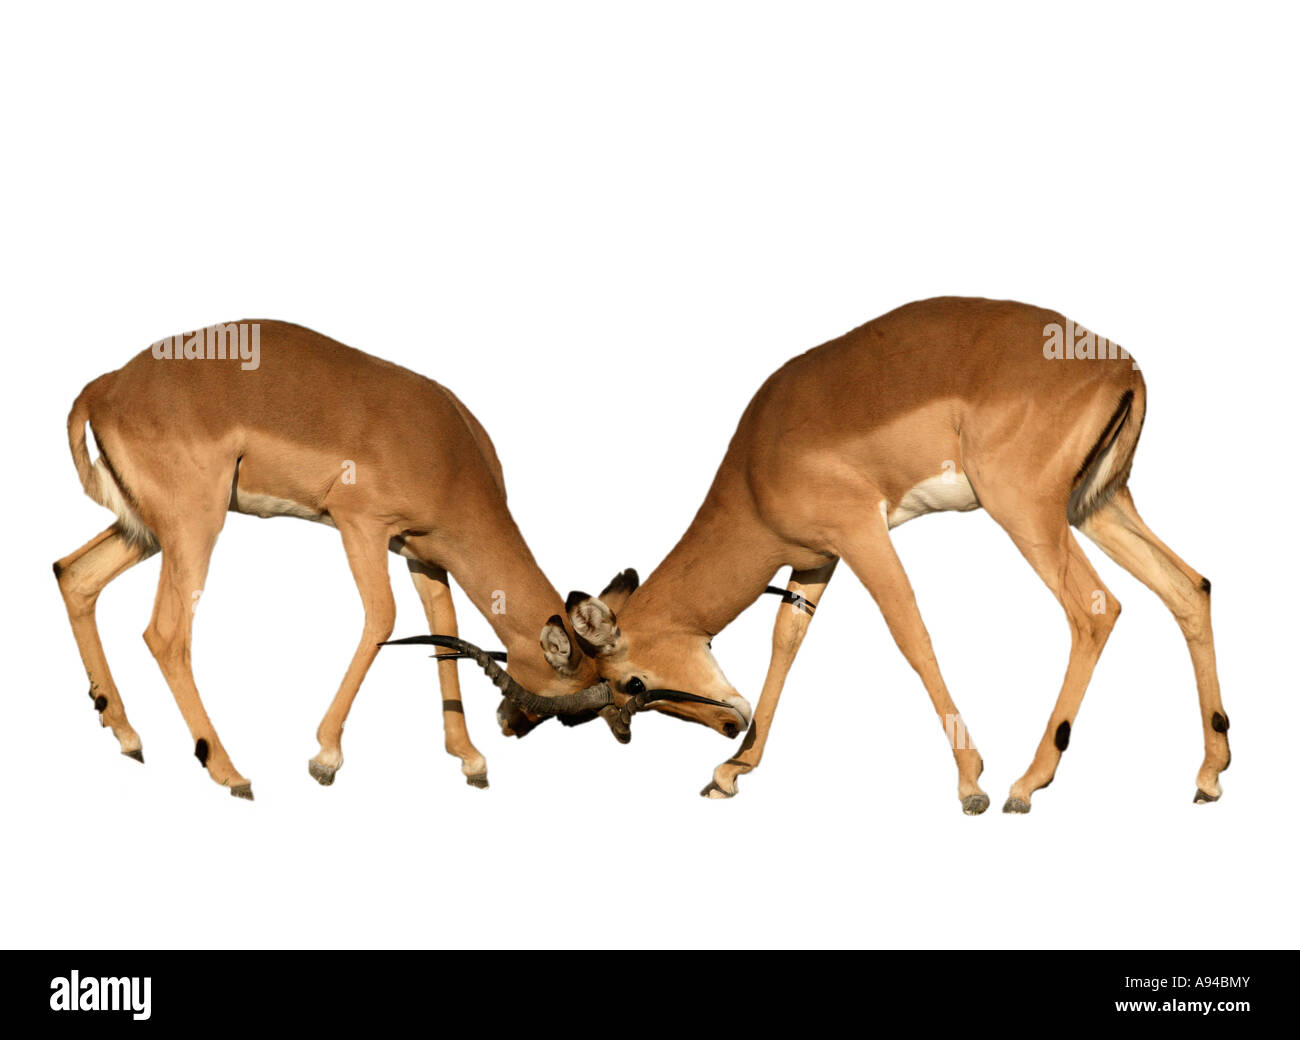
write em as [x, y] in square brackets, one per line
[620, 719]
[593, 698]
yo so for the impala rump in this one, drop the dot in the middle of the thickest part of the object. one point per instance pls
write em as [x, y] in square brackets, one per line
[1106, 467]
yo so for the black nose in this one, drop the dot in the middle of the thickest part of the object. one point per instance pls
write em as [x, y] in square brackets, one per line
[730, 729]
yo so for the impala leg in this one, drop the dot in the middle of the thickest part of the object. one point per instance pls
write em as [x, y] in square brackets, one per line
[185, 556]
[435, 594]
[873, 560]
[82, 575]
[1122, 535]
[367, 550]
[792, 622]
[1091, 610]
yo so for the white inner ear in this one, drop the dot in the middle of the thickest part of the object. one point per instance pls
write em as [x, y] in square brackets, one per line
[593, 621]
[555, 640]
[557, 649]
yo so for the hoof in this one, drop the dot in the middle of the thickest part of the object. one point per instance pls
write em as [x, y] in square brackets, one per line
[478, 780]
[714, 791]
[323, 775]
[1016, 805]
[1201, 796]
[137, 754]
[243, 791]
[974, 804]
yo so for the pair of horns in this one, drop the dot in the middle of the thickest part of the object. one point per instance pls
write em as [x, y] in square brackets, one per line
[591, 699]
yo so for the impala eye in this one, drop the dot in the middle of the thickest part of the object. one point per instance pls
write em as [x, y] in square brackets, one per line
[635, 686]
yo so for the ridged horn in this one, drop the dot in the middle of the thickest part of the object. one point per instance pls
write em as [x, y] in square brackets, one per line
[592, 698]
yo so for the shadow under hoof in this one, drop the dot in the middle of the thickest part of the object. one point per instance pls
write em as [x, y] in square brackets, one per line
[137, 754]
[243, 791]
[323, 775]
[974, 804]
[714, 791]
[1203, 797]
[1016, 805]
[478, 780]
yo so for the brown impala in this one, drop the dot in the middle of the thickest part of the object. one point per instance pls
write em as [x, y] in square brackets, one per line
[943, 404]
[276, 420]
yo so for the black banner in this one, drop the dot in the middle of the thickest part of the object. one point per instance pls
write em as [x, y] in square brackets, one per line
[207, 989]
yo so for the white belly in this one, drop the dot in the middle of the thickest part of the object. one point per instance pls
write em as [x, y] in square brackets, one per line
[257, 504]
[949, 490]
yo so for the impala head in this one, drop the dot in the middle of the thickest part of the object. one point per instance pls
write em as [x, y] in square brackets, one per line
[566, 670]
[674, 673]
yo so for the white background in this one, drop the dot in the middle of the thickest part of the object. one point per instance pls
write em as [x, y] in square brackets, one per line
[603, 228]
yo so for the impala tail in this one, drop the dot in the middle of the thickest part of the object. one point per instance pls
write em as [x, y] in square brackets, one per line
[100, 481]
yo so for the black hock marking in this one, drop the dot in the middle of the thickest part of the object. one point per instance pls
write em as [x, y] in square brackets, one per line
[1063, 736]
[455, 706]
[574, 598]
[101, 702]
[58, 571]
[750, 737]
[1219, 723]
[1205, 584]
[201, 752]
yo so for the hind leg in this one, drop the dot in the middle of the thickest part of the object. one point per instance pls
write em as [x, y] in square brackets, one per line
[1121, 534]
[1039, 529]
[186, 551]
[435, 594]
[82, 575]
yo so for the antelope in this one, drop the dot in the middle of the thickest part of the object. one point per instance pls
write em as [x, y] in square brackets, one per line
[944, 404]
[287, 422]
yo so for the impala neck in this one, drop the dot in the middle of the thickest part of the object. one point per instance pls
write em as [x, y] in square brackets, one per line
[718, 568]
[503, 581]
[511, 592]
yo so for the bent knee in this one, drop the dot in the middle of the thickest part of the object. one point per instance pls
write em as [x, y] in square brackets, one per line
[380, 622]
[168, 648]
[1094, 626]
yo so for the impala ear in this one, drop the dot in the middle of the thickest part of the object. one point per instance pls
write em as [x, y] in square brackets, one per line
[594, 624]
[618, 590]
[560, 653]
